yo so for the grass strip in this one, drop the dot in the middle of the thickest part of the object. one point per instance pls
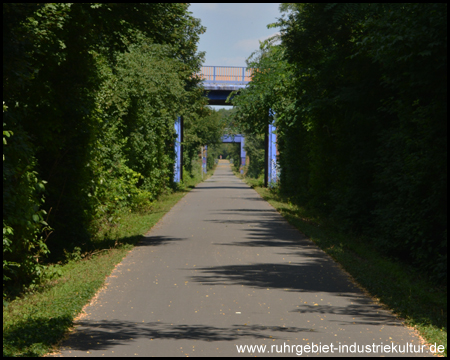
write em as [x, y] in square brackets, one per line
[36, 322]
[400, 287]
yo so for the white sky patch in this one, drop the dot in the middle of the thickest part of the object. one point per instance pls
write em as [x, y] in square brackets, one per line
[233, 30]
[251, 45]
[207, 6]
[231, 61]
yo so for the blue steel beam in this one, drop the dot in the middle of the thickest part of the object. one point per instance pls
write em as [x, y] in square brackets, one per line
[237, 139]
[177, 145]
[205, 158]
[272, 166]
[272, 158]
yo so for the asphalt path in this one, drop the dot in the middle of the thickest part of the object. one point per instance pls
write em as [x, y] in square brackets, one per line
[223, 269]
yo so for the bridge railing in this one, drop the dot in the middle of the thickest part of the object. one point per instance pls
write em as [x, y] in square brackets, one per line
[226, 74]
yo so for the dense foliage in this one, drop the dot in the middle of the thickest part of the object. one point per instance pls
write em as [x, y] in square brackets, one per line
[360, 96]
[254, 148]
[92, 92]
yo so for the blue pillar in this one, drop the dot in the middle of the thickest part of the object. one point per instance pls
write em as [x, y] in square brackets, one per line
[177, 166]
[243, 154]
[272, 158]
[205, 158]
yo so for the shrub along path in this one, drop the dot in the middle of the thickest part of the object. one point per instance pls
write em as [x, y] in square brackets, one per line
[224, 269]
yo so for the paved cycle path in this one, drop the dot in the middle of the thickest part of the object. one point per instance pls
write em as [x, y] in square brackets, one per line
[221, 269]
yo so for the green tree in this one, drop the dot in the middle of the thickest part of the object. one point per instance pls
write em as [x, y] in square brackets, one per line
[370, 88]
[64, 102]
[359, 92]
[271, 90]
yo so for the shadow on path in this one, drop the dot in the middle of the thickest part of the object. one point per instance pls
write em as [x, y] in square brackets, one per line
[361, 309]
[220, 187]
[108, 333]
[148, 240]
[316, 276]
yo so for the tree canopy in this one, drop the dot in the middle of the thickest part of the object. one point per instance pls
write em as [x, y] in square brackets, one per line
[91, 92]
[359, 92]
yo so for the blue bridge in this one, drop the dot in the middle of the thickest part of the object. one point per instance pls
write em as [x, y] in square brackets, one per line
[218, 83]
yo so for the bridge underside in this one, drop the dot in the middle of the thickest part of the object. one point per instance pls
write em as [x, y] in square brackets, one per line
[218, 93]
[218, 97]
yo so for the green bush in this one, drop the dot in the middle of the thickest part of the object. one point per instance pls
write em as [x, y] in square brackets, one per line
[24, 225]
[254, 148]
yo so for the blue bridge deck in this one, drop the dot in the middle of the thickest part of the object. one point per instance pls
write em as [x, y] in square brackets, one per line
[220, 81]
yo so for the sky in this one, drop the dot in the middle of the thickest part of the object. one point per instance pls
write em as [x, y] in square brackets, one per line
[233, 31]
